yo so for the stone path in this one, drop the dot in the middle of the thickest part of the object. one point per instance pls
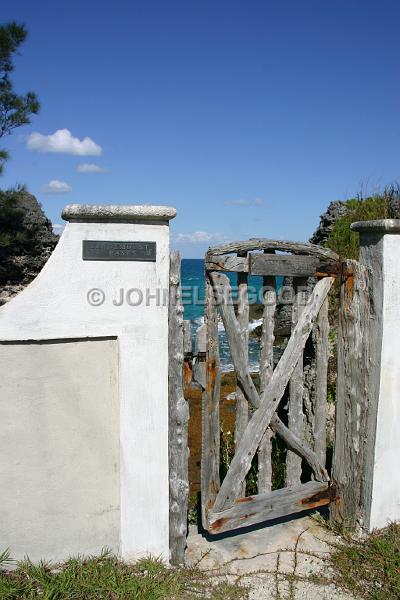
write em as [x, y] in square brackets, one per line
[275, 562]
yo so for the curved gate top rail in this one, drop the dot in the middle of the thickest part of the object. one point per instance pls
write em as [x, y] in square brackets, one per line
[305, 260]
[278, 245]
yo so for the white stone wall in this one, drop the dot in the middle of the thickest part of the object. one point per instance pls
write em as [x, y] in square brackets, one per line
[59, 448]
[55, 306]
[385, 505]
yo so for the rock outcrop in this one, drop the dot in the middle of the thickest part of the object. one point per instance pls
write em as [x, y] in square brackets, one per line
[333, 213]
[26, 241]
[394, 206]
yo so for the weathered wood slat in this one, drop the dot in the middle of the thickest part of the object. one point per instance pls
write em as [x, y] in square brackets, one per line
[265, 244]
[256, 509]
[187, 355]
[267, 332]
[242, 407]
[295, 444]
[291, 265]
[178, 420]
[353, 395]
[264, 455]
[271, 396]
[210, 410]
[273, 264]
[320, 406]
[264, 475]
[199, 367]
[232, 329]
[187, 337]
[296, 390]
[218, 262]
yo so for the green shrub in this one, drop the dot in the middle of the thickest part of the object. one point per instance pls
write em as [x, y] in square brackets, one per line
[342, 239]
[12, 236]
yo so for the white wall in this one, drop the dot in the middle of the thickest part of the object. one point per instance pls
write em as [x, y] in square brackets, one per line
[59, 448]
[385, 504]
[55, 306]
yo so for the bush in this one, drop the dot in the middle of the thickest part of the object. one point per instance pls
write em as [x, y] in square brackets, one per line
[342, 239]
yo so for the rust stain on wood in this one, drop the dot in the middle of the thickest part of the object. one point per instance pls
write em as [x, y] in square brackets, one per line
[321, 498]
[347, 273]
[219, 523]
[246, 499]
[214, 527]
[349, 290]
[211, 374]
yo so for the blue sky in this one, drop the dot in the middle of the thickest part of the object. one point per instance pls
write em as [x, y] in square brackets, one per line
[248, 117]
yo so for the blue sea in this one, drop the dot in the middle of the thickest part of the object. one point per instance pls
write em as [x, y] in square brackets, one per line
[193, 289]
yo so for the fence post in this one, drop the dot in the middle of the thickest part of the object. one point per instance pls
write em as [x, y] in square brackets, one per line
[178, 419]
[375, 391]
[352, 394]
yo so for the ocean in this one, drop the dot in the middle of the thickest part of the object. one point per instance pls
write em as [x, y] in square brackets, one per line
[193, 289]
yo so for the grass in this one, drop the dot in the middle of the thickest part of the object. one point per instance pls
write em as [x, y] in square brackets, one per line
[370, 568]
[378, 206]
[107, 578]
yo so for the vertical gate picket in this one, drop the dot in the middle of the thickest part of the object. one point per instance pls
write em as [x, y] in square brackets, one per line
[320, 406]
[199, 367]
[187, 355]
[296, 385]
[264, 476]
[242, 407]
[210, 481]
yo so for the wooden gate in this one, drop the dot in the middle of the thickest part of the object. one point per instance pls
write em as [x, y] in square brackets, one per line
[224, 504]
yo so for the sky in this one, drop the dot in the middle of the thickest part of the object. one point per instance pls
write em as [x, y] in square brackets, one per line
[248, 117]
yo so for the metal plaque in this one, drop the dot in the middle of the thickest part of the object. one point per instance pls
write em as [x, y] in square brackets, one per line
[98, 250]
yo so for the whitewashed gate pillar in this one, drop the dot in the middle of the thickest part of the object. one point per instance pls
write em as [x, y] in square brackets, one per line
[84, 391]
[380, 251]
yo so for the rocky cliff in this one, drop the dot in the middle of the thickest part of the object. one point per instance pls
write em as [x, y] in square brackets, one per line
[26, 241]
[333, 213]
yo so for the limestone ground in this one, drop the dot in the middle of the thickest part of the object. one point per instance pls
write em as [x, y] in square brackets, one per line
[282, 561]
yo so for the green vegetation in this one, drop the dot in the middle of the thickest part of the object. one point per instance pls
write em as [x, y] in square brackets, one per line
[15, 109]
[26, 237]
[107, 578]
[13, 238]
[370, 568]
[379, 206]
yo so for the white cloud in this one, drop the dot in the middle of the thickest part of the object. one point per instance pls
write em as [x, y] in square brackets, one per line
[56, 187]
[244, 202]
[90, 168]
[199, 237]
[58, 228]
[63, 141]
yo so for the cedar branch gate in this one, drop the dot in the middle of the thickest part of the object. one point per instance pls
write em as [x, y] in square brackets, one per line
[225, 506]
[310, 272]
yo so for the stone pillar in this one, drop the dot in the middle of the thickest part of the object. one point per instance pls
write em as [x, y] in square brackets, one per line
[380, 251]
[84, 392]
